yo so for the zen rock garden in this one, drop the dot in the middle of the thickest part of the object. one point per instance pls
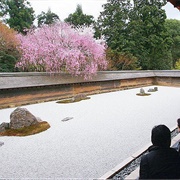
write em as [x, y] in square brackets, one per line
[143, 93]
[22, 123]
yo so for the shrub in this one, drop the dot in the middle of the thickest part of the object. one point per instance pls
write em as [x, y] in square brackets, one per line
[9, 52]
[120, 60]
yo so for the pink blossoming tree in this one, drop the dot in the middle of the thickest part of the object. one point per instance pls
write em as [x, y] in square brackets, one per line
[61, 48]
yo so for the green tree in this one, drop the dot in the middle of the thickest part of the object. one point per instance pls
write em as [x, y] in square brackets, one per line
[18, 14]
[138, 27]
[150, 40]
[47, 18]
[9, 52]
[177, 64]
[1, 8]
[173, 27]
[7, 62]
[78, 18]
[113, 23]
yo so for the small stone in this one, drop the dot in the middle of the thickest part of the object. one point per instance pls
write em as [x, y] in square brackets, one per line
[4, 126]
[67, 119]
[142, 91]
[156, 88]
[151, 90]
[1, 143]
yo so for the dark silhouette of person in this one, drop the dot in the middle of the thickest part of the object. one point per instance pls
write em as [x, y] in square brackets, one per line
[178, 145]
[161, 161]
[178, 124]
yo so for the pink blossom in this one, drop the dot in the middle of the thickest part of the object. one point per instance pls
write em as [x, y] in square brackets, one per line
[61, 48]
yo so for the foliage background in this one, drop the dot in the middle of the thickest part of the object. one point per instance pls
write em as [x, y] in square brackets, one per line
[138, 34]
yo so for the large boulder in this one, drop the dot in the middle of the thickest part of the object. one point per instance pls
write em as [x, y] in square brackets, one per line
[21, 117]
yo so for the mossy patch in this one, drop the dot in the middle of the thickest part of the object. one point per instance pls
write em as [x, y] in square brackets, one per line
[144, 94]
[71, 100]
[26, 131]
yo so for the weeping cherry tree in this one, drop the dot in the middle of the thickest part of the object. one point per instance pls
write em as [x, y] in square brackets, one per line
[61, 48]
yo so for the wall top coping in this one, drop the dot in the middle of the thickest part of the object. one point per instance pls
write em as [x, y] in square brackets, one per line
[33, 79]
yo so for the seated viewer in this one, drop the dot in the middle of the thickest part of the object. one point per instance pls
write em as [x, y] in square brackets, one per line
[178, 145]
[161, 162]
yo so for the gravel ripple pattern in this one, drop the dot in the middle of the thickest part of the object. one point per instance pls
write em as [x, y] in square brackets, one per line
[104, 131]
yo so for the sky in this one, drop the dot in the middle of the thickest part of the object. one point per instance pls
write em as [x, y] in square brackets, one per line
[90, 7]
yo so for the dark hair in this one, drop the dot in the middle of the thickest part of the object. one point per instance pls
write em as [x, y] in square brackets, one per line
[178, 122]
[161, 136]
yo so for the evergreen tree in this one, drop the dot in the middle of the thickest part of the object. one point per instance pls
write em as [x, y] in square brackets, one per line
[47, 18]
[2, 8]
[150, 41]
[78, 18]
[113, 22]
[137, 28]
[173, 27]
[18, 14]
[113, 25]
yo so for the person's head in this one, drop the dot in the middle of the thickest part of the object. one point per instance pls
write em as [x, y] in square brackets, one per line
[161, 136]
[178, 124]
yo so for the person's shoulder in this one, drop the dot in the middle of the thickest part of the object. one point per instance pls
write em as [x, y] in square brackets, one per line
[144, 158]
[153, 148]
[150, 151]
[173, 150]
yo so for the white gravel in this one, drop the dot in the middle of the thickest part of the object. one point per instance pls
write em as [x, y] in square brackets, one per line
[104, 131]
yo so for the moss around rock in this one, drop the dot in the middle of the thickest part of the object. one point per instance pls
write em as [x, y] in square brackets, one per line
[142, 93]
[23, 123]
[26, 131]
[145, 94]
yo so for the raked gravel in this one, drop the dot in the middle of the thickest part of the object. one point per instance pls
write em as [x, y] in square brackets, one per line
[104, 131]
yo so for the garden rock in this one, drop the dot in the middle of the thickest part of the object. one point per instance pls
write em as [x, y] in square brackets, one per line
[67, 119]
[79, 97]
[156, 88]
[21, 117]
[142, 91]
[153, 89]
[4, 126]
[1, 143]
